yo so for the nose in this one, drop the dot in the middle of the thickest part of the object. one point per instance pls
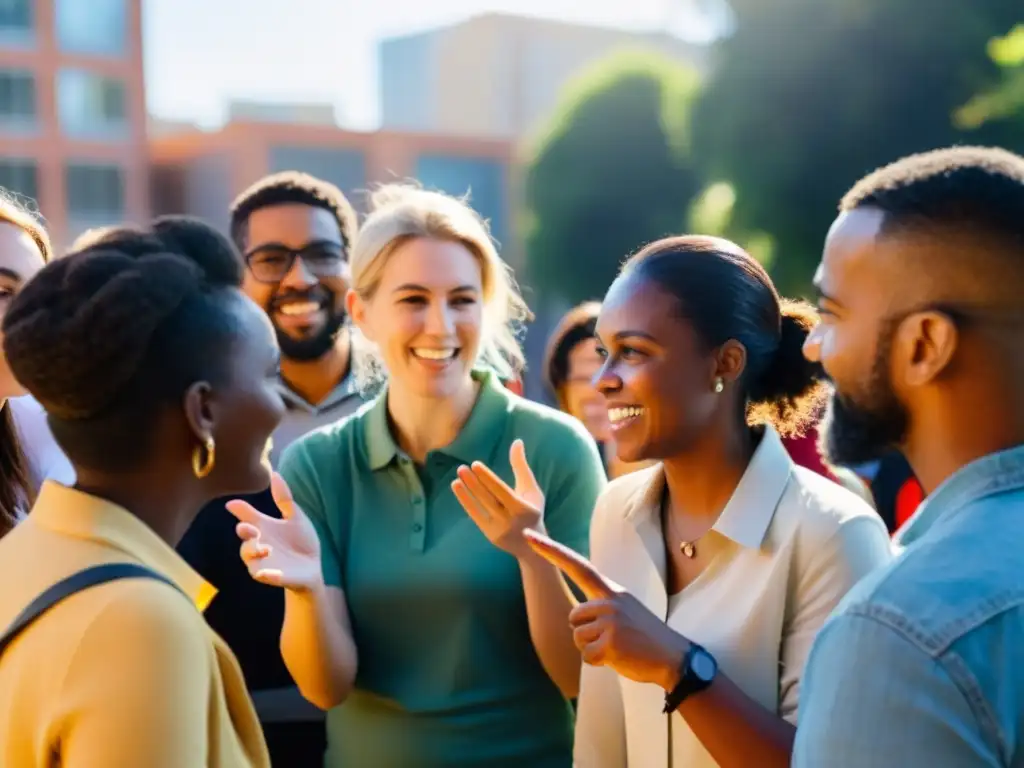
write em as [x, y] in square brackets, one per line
[299, 277]
[606, 380]
[812, 344]
[439, 320]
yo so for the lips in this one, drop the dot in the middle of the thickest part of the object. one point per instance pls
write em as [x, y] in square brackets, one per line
[621, 416]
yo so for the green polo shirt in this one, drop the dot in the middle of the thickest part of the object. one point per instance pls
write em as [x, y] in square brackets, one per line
[448, 675]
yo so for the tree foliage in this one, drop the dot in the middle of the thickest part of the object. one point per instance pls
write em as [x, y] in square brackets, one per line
[1006, 99]
[809, 95]
[612, 171]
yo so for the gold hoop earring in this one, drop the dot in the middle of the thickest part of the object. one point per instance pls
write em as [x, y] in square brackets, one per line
[203, 465]
[719, 385]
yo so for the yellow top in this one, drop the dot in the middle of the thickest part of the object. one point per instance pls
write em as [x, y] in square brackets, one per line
[122, 675]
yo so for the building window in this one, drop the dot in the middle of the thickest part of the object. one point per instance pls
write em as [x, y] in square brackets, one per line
[17, 98]
[91, 106]
[94, 190]
[92, 26]
[20, 177]
[16, 18]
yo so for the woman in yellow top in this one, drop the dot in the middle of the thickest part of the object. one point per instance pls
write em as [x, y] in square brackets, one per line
[159, 380]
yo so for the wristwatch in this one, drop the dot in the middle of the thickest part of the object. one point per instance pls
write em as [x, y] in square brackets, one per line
[696, 672]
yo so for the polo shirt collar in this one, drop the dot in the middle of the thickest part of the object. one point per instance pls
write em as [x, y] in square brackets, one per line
[347, 388]
[475, 441]
[749, 512]
[70, 512]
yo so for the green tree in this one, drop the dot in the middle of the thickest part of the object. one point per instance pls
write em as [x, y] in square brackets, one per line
[1006, 99]
[809, 95]
[612, 171]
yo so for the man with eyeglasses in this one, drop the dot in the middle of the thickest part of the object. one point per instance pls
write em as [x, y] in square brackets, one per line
[922, 333]
[294, 232]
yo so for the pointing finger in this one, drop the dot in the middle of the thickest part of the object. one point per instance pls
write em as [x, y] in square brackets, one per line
[497, 487]
[572, 564]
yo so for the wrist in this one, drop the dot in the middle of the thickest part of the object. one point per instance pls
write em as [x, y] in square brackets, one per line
[671, 666]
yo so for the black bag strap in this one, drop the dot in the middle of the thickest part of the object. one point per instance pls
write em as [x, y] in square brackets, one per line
[76, 582]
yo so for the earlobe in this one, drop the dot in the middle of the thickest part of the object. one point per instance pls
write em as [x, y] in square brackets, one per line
[730, 362]
[356, 308]
[199, 411]
[934, 345]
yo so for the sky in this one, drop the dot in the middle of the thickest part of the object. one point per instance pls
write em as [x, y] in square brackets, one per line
[201, 53]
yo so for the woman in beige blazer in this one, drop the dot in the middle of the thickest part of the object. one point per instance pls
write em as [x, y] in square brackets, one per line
[714, 569]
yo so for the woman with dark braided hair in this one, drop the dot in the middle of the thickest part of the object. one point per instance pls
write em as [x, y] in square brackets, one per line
[24, 248]
[159, 380]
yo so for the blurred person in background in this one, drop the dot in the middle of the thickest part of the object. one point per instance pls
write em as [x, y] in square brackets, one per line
[896, 492]
[430, 645]
[571, 362]
[28, 453]
[920, 287]
[295, 233]
[713, 570]
[158, 377]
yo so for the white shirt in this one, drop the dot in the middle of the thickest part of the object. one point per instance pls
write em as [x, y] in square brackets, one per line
[788, 546]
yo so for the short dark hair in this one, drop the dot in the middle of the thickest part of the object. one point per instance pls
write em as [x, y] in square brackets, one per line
[975, 188]
[578, 325]
[108, 335]
[726, 294]
[293, 187]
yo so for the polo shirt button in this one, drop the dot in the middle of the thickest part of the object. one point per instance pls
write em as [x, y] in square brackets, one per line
[417, 527]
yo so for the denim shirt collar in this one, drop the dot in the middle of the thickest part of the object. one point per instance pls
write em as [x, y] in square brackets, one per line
[989, 475]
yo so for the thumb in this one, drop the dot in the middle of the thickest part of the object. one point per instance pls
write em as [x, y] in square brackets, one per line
[283, 496]
[524, 477]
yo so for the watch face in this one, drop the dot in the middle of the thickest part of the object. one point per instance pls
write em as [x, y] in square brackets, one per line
[703, 666]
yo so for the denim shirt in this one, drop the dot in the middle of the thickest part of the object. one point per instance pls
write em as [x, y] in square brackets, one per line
[922, 664]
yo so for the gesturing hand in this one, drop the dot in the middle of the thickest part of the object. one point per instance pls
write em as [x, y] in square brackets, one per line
[613, 628]
[499, 511]
[283, 553]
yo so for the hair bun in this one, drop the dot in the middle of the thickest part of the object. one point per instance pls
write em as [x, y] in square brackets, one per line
[790, 380]
[75, 337]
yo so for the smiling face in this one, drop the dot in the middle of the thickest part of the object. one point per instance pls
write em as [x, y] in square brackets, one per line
[426, 316]
[20, 259]
[306, 304]
[656, 374]
[854, 343]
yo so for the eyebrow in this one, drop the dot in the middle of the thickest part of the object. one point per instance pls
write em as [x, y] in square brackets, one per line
[823, 296]
[624, 335]
[424, 289]
[308, 244]
[10, 273]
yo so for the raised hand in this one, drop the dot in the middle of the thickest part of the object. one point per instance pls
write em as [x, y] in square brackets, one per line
[502, 513]
[612, 628]
[282, 553]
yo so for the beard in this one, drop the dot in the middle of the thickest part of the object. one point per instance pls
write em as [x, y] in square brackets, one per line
[321, 342]
[863, 428]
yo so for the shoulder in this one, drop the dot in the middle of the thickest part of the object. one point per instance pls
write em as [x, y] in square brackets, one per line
[549, 429]
[816, 510]
[621, 496]
[959, 580]
[146, 614]
[326, 442]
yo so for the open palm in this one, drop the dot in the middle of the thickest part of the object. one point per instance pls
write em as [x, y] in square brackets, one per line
[501, 512]
[281, 552]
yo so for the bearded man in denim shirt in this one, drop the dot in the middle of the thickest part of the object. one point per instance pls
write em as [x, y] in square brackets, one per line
[922, 297]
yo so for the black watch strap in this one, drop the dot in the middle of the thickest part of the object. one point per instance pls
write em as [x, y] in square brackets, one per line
[689, 683]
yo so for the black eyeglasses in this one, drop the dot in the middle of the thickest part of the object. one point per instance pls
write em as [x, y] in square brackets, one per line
[271, 263]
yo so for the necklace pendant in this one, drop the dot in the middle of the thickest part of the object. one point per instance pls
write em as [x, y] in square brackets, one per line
[688, 549]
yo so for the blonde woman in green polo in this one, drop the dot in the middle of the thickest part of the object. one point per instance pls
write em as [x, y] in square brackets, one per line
[434, 642]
